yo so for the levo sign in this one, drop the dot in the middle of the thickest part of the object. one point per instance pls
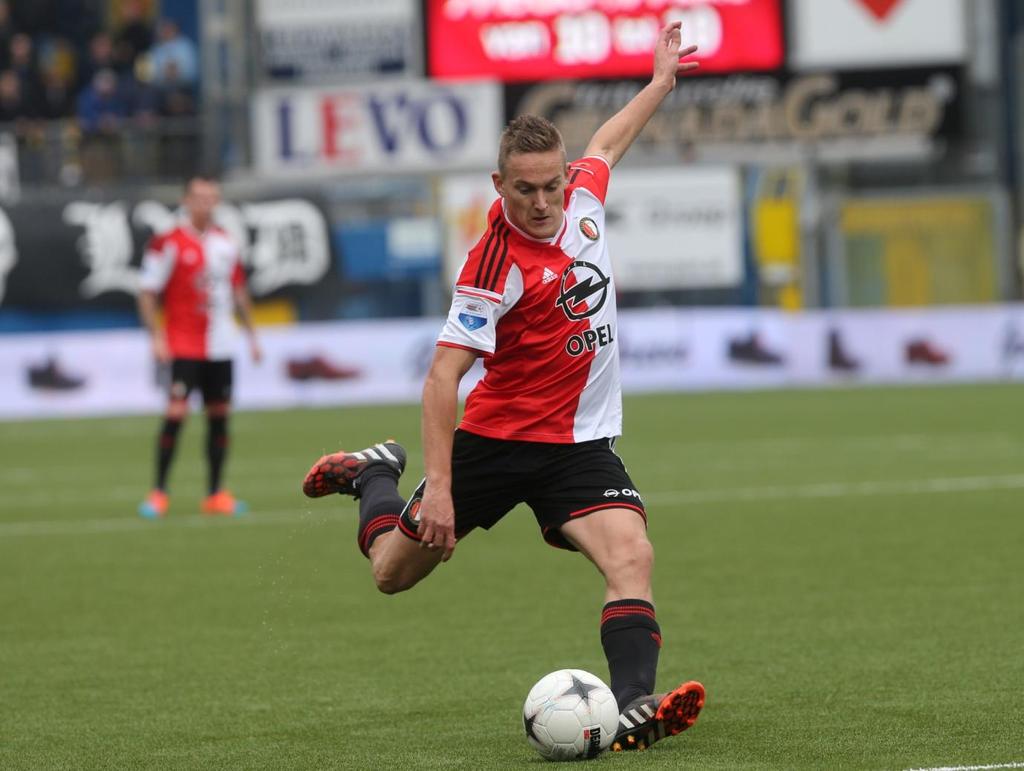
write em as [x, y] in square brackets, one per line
[392, 127]
[524, 40]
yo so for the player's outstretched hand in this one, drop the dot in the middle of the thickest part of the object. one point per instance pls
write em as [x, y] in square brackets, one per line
[667, 54]
[437, 522]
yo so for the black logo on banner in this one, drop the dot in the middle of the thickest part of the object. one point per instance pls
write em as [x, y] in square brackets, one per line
[576, 300]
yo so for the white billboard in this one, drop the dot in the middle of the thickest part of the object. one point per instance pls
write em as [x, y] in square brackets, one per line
[407, 126]
[669, 349]
[297, 13]
[667, 228]
[675, 228]
[327, 39]
[868, 34]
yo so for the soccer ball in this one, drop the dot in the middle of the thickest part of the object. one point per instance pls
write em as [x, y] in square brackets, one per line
[570, 714]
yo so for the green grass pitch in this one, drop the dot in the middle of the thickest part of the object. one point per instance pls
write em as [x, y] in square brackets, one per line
[842, 569]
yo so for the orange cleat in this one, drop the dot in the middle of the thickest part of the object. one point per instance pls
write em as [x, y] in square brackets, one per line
[155, 505]
[339, 472]
[224, 504]
[649, 719]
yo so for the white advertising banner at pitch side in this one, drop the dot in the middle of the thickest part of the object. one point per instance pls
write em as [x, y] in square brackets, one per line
[349, 363]
[869, 34]
[390, 126]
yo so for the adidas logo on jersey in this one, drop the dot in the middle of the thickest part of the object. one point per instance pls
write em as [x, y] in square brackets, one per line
[549, 276]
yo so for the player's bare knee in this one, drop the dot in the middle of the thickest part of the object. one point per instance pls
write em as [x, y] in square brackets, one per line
[387, 580]
[177, 409]
[217, 409]
[387, 585]
[631, 558]
[393, 578]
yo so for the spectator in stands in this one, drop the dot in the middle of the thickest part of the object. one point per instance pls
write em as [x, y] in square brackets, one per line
[12, 102]
[102, 106]
[99, 57]
[103, 110]
[173, 47]
[26, 67]
[7, 31]
[57, 100]
[175, 99]
[134, 36]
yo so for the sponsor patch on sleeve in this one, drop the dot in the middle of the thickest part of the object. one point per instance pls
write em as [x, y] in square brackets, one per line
[472, 322]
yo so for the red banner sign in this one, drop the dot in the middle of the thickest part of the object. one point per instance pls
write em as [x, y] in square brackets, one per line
[519, 40]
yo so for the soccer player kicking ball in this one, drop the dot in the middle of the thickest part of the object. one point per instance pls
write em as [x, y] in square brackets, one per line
[536, 299]
[195, 272]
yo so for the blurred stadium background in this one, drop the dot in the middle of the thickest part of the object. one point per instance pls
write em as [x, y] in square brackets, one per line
[834, 201]
[834, 198]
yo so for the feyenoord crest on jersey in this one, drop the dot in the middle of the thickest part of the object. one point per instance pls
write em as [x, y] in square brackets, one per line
[586, 295]
[589, 229]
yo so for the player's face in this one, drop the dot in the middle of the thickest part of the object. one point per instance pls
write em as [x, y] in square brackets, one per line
[201, 199]
[533, 186]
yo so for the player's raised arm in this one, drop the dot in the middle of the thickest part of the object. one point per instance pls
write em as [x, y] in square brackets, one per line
[616, 135]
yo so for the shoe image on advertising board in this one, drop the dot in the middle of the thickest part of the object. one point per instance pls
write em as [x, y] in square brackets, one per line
[923, 352]
[319, 368]
[749, 350]
[838, 359]
[1013, 344]
[50, 377]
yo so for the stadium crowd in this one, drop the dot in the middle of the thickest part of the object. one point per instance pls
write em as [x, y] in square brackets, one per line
[66, 66]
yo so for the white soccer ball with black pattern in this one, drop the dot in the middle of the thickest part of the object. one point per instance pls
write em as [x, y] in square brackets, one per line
[570, 714]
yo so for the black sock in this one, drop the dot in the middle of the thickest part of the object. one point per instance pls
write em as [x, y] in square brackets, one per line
[216, 448]
[631, 639]
[167, 441]
[379, 504]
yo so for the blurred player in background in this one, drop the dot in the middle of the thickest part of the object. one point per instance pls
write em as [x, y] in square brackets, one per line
[536, 300]
[194, 271]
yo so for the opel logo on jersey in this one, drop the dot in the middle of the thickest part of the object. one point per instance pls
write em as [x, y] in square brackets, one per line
[589, 229]
[587, 294]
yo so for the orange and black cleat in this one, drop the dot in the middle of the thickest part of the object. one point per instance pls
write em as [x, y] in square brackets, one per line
[223, 504]
[339, 472]
[155, 505]
[649, 719]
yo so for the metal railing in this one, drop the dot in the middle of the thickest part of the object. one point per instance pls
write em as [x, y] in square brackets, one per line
[60, 153]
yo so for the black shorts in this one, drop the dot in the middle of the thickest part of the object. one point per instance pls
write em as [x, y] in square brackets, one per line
[212, 378]
[560, 482]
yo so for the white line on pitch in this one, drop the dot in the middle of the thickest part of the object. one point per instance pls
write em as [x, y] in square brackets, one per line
[842, 489]
[970, 768]
[719, 495]
[131, 523]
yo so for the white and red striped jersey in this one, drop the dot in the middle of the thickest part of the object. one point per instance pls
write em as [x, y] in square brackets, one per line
[195, 274]
[542, 314]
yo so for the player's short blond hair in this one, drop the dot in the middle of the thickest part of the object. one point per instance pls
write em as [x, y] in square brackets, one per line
[528, 134]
